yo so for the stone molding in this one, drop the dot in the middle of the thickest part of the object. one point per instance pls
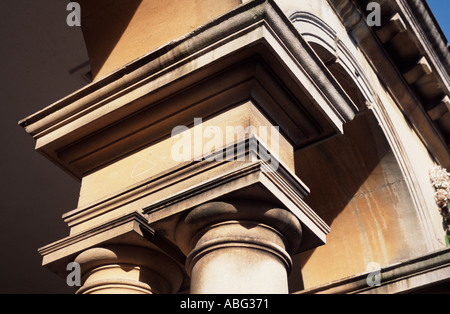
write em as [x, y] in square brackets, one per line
[407, 102]
[131, 229]
[236, 241]
[123, 268]
[389, 74]
[404, 277]
[325, 36]
[81, 132]
[212, 213]
[241, 180]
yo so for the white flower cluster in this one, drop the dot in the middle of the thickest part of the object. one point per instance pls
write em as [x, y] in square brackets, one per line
[440, 179]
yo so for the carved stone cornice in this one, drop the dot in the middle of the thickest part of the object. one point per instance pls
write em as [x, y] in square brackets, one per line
[131, 229]
[405, 55]
[122, 112]
[241, 180]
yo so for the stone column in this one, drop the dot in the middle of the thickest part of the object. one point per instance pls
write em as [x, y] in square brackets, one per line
[240, 247]
[127, 270]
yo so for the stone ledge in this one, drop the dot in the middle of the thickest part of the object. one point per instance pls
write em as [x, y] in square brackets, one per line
[403, 277]
[131, 229]
[108, 117]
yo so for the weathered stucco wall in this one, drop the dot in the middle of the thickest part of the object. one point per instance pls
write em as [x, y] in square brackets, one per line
[358, 189]
[371, 185]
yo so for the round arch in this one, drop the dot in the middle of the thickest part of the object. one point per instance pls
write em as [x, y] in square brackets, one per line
[335, 55]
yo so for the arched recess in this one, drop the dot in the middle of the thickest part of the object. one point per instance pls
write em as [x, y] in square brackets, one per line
[335, 55]
[363, 183]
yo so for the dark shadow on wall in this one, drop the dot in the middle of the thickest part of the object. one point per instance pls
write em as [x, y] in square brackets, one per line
[38, 49]
[335, 170]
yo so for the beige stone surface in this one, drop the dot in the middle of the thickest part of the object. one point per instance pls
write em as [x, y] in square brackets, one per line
[117, 33]
[371, 216]
[127, 270]
[365, 174]
[230, 236]
[214, 134]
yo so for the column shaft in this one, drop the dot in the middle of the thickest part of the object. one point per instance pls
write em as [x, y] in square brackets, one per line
[241, 249]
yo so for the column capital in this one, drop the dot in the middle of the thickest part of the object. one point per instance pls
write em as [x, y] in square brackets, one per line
[122, 269]
[243, 211]
[220, 240]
